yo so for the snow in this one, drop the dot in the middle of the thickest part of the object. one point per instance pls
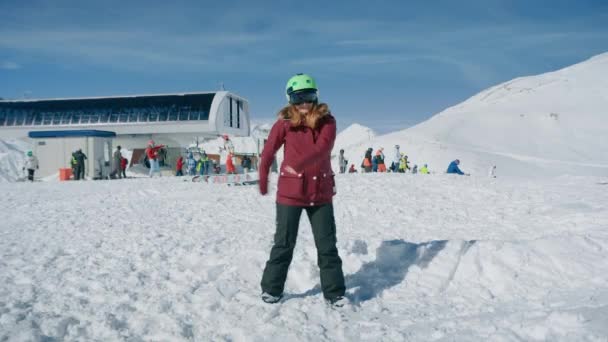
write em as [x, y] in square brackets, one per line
[550, 124]
[12, 159]
[425, 258]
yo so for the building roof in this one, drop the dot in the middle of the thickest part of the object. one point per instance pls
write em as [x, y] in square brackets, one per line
[71, 133]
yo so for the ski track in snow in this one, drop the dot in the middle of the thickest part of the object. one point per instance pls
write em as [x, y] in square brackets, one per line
[425, 258]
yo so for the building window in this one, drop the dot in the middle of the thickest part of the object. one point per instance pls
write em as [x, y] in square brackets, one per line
[238, 114]
[38, 118]
[231, 111]
[29, 118]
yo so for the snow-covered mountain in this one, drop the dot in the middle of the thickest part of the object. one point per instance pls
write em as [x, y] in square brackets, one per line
[353, 135]
[548, 124]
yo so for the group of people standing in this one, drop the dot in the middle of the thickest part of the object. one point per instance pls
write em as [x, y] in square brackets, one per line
[78, 164]
[377, 163]
[120, 164]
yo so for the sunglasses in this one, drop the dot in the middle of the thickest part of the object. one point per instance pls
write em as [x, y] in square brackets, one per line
[303, 97]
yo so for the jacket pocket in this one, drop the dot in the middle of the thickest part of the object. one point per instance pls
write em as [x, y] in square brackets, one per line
[291, 186]
[327, 184]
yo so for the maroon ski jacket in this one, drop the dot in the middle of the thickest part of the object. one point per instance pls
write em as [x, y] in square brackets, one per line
[308, 152]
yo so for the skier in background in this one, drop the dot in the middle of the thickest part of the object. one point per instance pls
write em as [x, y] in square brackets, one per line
[116, 163]
[492, 173]
[80, 169]
[31, 165]
[342, 162]
[305, 183]
[246, 164]
[191, 162]
[453, 168]
[396, 159]
[424, 170]
[229, 150]
[367, 161]
[123, 166]
[152, 152]
[179, 164]
[380, 160]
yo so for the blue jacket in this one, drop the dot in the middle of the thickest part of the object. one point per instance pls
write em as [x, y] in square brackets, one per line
[453, 168]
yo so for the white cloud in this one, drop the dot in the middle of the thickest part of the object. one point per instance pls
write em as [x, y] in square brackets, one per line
[8, 65]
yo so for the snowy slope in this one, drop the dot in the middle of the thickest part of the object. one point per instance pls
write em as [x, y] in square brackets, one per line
[557, 119]
[426, 258]
[538, 126]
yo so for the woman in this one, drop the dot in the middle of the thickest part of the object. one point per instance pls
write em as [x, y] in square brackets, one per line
[307, 131]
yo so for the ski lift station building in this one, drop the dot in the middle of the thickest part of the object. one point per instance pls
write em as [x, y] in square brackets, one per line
[176, 120]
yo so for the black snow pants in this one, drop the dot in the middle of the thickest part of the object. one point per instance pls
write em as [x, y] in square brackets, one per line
[324, 231]
[30, 174]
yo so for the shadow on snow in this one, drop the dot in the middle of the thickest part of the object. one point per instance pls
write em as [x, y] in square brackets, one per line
[393, 260]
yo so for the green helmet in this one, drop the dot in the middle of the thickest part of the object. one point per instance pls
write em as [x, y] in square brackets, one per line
[29, 153]
[298, 83]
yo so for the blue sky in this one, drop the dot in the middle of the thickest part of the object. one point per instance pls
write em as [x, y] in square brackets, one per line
[383, 64]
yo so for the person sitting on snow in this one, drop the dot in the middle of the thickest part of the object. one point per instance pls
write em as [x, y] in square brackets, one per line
[352, 169]
[453, 168]
[424, 170]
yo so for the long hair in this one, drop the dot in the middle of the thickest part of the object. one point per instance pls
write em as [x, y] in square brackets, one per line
[311, 119]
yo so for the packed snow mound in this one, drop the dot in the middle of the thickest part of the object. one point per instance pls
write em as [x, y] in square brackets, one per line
[353, 135]
[558, 116]
[12, 159]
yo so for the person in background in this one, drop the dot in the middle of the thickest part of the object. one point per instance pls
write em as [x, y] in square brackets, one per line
[396, 159]
[305, 183]
[80, 169]
[453, 168]
[367, 161]
[152, 152]
[403, 163]
[31, 165]
[191, 162]
[415, 169]
[380, 160]
[73, 163]
[342, 162]
[179, 164]
[352, 169]
[374, 164]
[123, 166]
[493, 171]
[424, 170]
[204, 161]
[230, 169]
[246, 164]
[161, 157]
[116, 163]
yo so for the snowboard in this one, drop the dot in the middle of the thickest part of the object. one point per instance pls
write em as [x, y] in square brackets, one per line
[230, 179]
